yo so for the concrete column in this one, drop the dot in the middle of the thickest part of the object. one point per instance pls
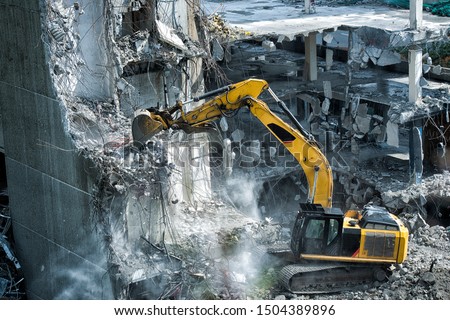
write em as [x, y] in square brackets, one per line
[415, 153]
[310, 72]
[415, 73]
[196, 173]
[308, 7]
[415, 14]
[328, 59]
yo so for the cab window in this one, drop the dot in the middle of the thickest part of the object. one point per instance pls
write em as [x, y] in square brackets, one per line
[379, 226]
[315, 229]
[333, 230]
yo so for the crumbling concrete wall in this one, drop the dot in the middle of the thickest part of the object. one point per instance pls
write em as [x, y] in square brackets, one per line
[84, 201]
[49, 182]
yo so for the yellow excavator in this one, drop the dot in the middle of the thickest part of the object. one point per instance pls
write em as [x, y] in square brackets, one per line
[339, 249]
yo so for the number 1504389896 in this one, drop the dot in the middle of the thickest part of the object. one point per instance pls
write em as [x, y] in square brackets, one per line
[298, 309]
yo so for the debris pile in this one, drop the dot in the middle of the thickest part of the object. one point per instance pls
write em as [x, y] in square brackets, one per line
[219, 250]
[129, 182]
[11, 278]
[437, 185]
[429, 105]
[142, 47]
[218, 28]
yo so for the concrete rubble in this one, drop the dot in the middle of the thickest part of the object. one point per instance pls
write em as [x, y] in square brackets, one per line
[11, 277]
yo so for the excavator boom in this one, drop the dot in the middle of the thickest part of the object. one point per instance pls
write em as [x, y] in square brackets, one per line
[228, 100]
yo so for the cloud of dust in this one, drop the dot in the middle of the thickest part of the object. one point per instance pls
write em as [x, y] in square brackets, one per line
[244, 192]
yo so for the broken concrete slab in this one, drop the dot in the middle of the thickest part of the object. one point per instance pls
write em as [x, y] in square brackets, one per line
[363, 124]
[284, 18]
[169, 36]
[268, 45]
[374, 52]
[392, 134]
[388, 58]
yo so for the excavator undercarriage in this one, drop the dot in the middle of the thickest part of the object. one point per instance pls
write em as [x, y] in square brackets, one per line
[316, 278]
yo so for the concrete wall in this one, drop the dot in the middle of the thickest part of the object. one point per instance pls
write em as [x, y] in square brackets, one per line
[49, 183]
[2, 140]
[95, 76]
[178, 17]
[50, 204]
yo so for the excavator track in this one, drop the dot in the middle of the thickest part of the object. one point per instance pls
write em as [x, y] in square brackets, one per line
[329, 278]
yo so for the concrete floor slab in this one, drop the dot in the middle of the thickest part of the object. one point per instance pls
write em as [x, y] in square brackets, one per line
[281, 18]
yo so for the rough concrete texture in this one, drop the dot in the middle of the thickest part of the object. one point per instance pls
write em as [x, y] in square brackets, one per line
[38, 152]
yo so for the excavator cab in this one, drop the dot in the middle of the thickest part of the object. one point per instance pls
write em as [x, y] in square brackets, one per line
[370, 235]
[317, 230]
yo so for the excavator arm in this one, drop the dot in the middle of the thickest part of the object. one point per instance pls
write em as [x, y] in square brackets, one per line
[225, 102]
[356, 246]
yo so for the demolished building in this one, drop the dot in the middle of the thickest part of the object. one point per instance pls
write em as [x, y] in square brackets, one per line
[86, 69]
[366, 81]
[96, 216]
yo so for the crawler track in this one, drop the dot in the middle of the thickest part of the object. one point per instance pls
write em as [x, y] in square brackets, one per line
[329, 278]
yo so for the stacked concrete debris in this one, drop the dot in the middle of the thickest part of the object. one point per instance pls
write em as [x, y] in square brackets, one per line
[437, 185]
[11, 279]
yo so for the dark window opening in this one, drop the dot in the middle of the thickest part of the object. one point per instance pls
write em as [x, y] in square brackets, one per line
[137, 19]
[135, 68]
[377, 226]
